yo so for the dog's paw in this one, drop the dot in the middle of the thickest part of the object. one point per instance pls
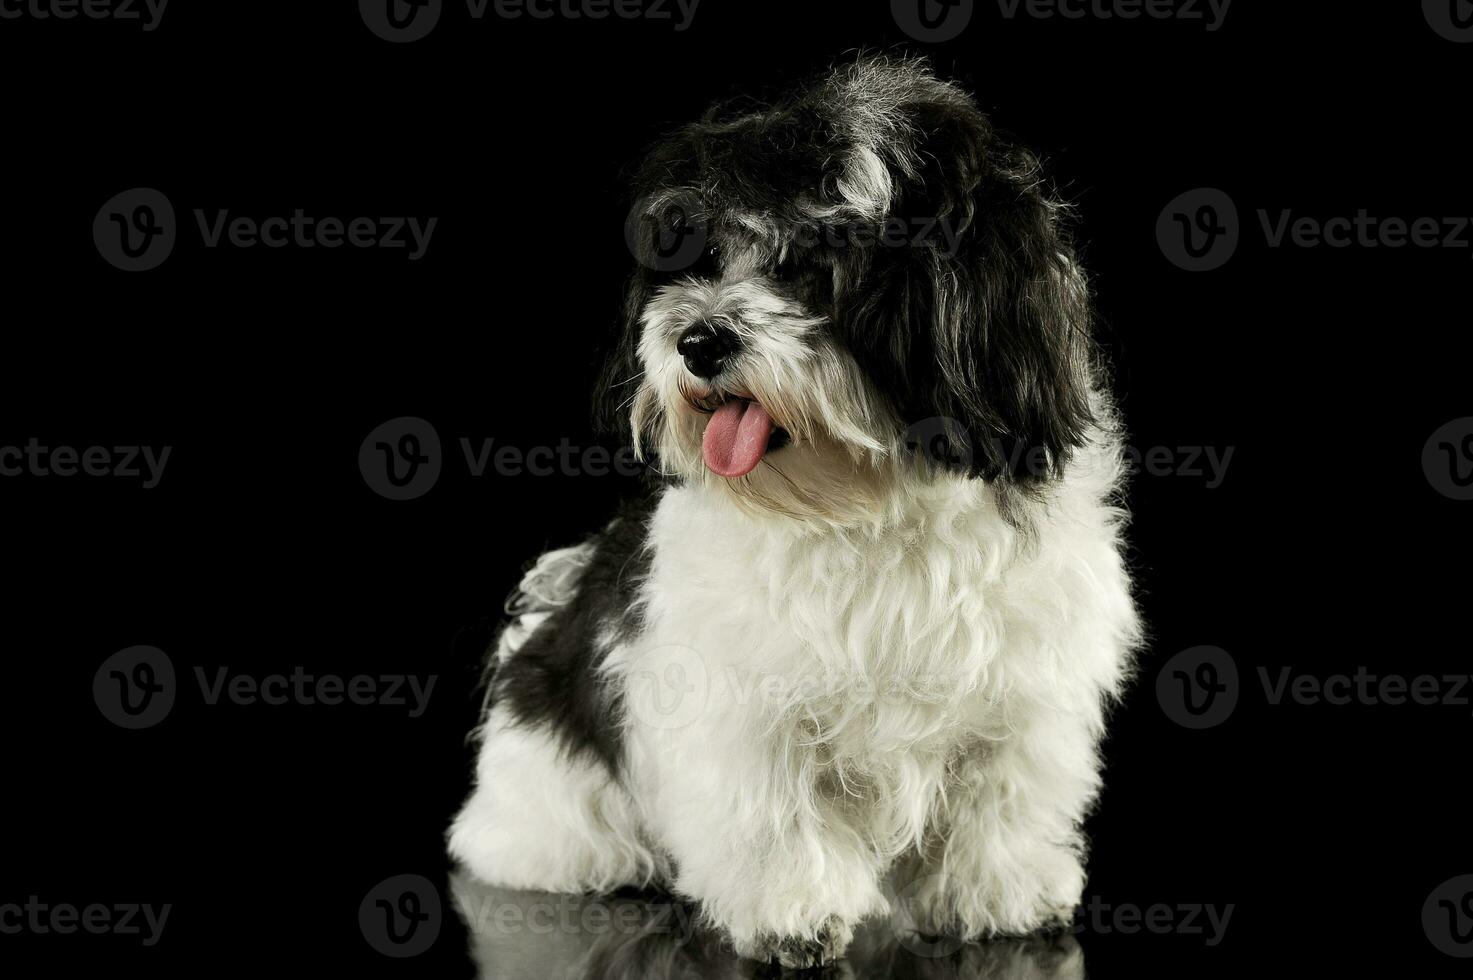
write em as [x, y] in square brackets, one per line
[823, 949]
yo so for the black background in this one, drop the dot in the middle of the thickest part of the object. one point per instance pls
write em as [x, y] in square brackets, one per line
[262, 548]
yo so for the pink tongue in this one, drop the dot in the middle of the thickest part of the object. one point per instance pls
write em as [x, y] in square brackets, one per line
[736, 437]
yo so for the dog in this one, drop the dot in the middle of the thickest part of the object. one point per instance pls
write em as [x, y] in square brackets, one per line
[855, 651]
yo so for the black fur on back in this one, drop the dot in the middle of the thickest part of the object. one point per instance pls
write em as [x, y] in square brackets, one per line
[553, 680]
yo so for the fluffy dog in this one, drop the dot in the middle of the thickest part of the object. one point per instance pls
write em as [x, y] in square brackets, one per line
[856, 650]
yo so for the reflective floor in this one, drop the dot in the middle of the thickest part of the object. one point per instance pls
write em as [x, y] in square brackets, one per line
[533, 935]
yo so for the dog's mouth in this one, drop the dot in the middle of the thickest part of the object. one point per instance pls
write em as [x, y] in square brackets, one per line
[738, 434]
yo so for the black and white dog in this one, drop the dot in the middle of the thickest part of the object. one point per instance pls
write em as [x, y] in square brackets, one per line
[821, 672]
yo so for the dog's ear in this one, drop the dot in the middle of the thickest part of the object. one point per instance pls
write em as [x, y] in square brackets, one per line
[619, 379]
[981, 319]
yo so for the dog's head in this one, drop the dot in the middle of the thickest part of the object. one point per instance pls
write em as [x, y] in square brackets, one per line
[830, 279]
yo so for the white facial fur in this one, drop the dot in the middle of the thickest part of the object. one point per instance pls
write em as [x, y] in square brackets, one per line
[843, 437]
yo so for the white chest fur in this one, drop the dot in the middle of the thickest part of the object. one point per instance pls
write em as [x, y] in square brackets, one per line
[864, 661]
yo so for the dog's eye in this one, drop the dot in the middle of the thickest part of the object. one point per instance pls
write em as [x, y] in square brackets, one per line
[708, 265]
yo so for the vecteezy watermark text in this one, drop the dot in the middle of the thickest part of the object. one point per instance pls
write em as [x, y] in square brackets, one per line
[679, 13]
[945, 441]
[302, 230]
[1200, 688]
[300, 687]
[36, 459]
[1183, 919]
[1200, 230]
[1364, 230]
[136, 231]
[1210, 13]
[1207, 463]
[63, 918]
[575, 915]
[148, 13]
[402, 21]
[402, 459]
[674, 236]
[136, 688]
[564, 459]
[1366, 688]
[939, 21]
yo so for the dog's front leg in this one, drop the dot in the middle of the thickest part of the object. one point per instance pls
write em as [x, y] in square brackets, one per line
[1005, 855]
[755, 839]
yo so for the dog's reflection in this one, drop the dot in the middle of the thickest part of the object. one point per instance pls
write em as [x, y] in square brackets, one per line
[536, 936]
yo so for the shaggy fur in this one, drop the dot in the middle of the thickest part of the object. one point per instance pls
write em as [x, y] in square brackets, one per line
[875, 669]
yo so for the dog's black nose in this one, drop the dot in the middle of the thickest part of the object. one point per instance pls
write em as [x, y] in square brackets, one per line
[706, 348]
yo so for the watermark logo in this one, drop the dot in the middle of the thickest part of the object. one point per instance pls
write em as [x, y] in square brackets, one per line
[148, 13]
[1198, 688]
[401, 459]
[667, 236]
[401, 21]
[940, 441]
[668, 687]
[1451, 19]
[1447, 460]
[1447, 917]
[933, 21]
[401, 916]
[1199, 230]
[135, 688]
[135, 231]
